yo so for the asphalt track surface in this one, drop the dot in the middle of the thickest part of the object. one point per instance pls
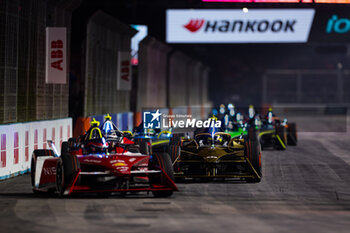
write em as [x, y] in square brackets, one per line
[304, 189]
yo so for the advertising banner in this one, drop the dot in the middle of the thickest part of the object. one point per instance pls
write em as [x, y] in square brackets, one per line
[142, 31]
[236, 26]
[283, 1]
[56, 55]
[124, 71]
[331, 25]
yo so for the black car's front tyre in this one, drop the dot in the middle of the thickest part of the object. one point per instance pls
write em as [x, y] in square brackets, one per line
[253, 150]
[292, 137]
[163, 161]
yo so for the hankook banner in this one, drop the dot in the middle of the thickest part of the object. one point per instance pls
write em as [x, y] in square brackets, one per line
[56, 55]
[236, 26]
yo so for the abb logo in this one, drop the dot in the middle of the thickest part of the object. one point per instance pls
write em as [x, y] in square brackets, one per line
[125, 70]
[194, 25]
[57, 54]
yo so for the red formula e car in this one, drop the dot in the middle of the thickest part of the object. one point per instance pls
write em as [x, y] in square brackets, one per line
[94, 164]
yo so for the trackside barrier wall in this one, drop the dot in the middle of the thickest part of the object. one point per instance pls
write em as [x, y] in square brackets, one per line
[105, 38]
[19, 140]
[24, 94]
[178, 79]
[169, 78]
[152, 75]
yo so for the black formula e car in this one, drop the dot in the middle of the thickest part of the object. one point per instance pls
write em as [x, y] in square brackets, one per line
[211, 155]
[276, 133]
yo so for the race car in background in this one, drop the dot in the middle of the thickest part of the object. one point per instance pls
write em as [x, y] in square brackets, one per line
[113, 135]
[233, 122]
[237, 124]
[158, 140]
[212, 154]
[154, 135]
[273, 132]
[94, 164]
[276, 133]
[149, 140]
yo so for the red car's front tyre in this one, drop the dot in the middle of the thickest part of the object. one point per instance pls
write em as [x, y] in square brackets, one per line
[66, 169]
[163, 161]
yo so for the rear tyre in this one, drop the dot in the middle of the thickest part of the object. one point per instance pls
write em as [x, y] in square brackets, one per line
[163, 161]
[253, 150]
[292, 137]
[66, 169]
[281, 137]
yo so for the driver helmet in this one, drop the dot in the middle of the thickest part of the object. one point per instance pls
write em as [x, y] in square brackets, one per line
[96, 142]
[269, 116]
[222, 109]
[94, 131]
[212, 128]
[109, 129]
[107, 126]
[231, 109]
[251, 111]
